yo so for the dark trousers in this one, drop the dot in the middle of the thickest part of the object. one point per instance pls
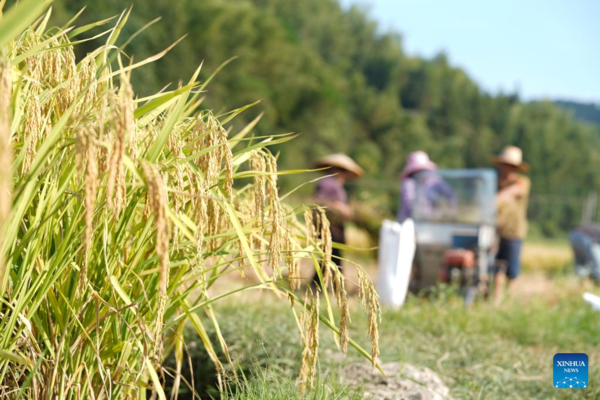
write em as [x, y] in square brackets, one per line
[509, 251]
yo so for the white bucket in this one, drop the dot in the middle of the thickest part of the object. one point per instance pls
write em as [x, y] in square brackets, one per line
[396, 253]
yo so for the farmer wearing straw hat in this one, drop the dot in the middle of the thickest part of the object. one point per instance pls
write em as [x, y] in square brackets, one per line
[432, 186]
[511, 202]
[331, 194]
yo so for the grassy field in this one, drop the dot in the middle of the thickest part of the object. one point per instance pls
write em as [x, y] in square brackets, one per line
[485, 352]
[548, 255]
[481, 353]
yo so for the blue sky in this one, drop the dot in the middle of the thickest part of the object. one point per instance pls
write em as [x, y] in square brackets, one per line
[543, 48]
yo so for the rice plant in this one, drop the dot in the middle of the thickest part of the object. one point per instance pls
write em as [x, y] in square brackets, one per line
[118, 214]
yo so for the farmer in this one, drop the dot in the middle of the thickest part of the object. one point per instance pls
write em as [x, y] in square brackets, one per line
[511, 204]
[332, 195]
[432, 187]
[585, 241]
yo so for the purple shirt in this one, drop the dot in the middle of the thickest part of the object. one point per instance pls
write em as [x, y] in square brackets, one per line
[330, 190]
[408, 193]
[431, 186]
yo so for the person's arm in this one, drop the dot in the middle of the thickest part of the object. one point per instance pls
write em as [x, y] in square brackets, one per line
[407, 198]
[333, 198]
[516, 190]
[448, 193]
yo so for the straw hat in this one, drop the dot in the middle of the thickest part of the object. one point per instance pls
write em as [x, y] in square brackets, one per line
[341, 161]
[418, 161]
[512, 155]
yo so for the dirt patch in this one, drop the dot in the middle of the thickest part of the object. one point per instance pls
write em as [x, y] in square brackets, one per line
[402, 382]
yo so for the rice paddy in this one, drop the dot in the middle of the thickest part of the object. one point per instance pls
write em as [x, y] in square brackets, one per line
[118, 214]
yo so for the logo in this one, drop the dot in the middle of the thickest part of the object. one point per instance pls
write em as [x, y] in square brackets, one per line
[570, 371]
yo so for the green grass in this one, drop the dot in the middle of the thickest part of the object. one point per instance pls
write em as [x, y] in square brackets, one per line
[481, 353]
[270, 385]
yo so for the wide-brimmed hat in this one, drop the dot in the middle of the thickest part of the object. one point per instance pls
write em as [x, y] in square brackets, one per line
[512, 155]
[418, 161]
[341, 161]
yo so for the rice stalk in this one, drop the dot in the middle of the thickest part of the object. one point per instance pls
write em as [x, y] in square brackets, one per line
[5, 156]
[126, 213]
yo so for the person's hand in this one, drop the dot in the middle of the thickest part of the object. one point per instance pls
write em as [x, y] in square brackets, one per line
[510, 192]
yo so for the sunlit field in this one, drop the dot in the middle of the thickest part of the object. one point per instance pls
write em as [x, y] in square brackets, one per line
[154, 245]
[484, 352]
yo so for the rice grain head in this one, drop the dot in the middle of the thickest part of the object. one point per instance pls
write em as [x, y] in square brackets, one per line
[370, 301]
[65, 76]
[87, 84]
[127, 120]
[86, 156]
[292, 262]
[158, 200]
[311, 341]
[324, 232]
[309, 225]
[201, 217]
[228, 156]
[124, 125]
[342, 303]
[32, 130]
[210, 163]
[278, 235]
[258, 164]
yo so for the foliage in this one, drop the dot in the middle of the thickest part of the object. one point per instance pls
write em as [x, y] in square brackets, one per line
[484, 352]
[120, 215]
[589, 112]
[345, 83]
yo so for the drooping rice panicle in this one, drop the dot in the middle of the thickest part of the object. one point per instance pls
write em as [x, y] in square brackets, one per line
[311, 340]
[125, 214]
[87, 162]
[370, 301]
[157, 196]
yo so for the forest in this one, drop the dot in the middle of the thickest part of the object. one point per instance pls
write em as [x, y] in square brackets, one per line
[343, 83]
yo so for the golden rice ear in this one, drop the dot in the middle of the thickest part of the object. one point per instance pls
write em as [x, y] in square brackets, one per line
[88, 83]
[67, 77]
[292, 262]
[214, 138]
[201, 216]
[277, 239]
[258, 164]
[127, 120]
[309, 225]
[103, 153]
[339, 288]
[370, 301]
[228, 156]
[87, 161]
[124, 127]
[33, 62]
[32, 130]
[158, 200]
[326, 245]
[311, 340]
